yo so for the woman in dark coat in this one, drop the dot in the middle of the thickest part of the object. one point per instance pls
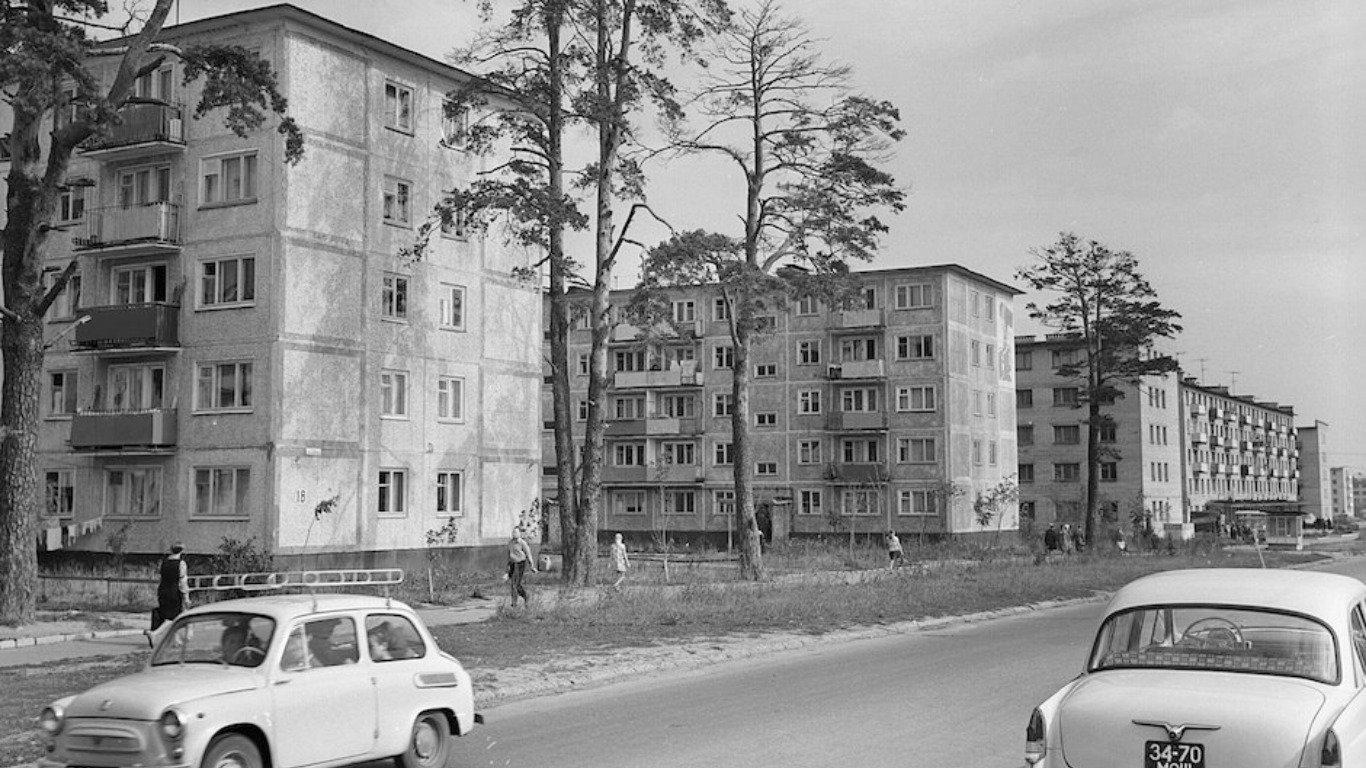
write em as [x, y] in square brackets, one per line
[173, 589]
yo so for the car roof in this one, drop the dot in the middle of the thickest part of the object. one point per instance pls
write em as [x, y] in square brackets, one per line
[1307, 592]
[283, 607]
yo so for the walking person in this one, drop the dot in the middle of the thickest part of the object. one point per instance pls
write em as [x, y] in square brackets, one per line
[1066, 539]
[519, 562]
[1050, 540]
[893, 550]
[173, 589]
[1078, 540]
[620, 560]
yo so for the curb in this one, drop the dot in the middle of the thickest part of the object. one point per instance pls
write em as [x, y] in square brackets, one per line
[98, 634]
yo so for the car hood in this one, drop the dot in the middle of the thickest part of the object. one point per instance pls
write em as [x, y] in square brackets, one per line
[1260, 719]
[145, 695]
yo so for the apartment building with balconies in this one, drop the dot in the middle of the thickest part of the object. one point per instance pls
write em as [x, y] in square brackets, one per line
[1140, 468]
[895, 413]
[242, 352]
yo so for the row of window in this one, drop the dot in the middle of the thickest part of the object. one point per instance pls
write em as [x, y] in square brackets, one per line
[904, 296]
[909, 450]
[920, 399]
[808, 501]
[1064, 434]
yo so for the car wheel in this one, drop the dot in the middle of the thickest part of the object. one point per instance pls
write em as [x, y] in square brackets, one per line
[232, 750]
[430, 744]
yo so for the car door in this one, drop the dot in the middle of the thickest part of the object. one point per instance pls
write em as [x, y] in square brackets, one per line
[324, 702]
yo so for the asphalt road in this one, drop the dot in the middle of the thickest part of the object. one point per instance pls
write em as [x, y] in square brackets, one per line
[950, 697]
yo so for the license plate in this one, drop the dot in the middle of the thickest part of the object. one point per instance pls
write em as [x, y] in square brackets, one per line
[1168, 754]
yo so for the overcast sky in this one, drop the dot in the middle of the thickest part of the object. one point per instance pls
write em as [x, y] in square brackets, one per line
[1221, 142]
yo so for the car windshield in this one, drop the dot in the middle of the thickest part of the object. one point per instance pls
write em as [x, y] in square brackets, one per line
[234, 639]
[1222, 638]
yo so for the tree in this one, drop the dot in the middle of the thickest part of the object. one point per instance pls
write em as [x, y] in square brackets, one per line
[987, 506]
[1102, 298]
[46, 58]
[807, 148]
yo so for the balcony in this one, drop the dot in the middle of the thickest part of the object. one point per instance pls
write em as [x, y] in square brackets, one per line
[849, 421]
[1217, 413]
[145, 128]
[857, 473]
[1221, 469]
[676, 473]
[1200, 437]
[123, 327]
[856, 319]
[150, 228]
[655, 426]
[859, 369]
[1200, 467]
[612, 474]
[674, 377]
[124, 430]
[1199, 409]
[1245, 445]
[1216, 440]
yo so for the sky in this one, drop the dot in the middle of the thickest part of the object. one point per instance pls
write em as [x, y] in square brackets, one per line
[1220, 142]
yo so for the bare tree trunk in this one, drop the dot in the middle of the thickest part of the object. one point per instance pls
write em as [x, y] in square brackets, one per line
[19, 483]
[751, 553]
[1092, 467]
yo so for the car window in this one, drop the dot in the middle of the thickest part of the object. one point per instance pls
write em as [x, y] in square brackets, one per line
[391, 637]
[1359, 636]
[1224, 638]
[328, 642]
[235, 639]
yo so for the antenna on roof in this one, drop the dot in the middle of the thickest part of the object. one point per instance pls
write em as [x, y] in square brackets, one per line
[1233, 385]
[1201, 361]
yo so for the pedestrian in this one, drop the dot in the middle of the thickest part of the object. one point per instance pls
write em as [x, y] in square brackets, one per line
[1120, 543]
[173, 589]
[1066, 539]
[519, 562]
[893, 550]
[1078, 540]
[1050, 539]
[620, 560]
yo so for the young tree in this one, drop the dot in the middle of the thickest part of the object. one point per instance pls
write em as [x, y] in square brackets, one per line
[1099, 295]
[808, 150]
[48, 65]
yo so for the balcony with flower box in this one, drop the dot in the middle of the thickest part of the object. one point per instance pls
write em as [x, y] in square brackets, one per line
[144, 128]
[151, 328]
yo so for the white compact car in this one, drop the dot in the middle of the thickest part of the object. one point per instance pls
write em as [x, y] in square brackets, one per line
[1216, 668]
[274, 682]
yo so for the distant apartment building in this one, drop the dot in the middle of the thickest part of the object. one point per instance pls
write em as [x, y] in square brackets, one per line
[1140, 470]
[1341, 498]
[241, 340]
[1359, 493]
[1315, 482]
[895, 414]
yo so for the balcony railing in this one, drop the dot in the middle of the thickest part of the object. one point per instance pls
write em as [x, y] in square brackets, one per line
[674, 377]
[855, 420]
[1199, 437]
[858, 369]
[153, 428]
[628, 332]
[129, 326]
[857, 318]
[155, 126]
[850, 472]
[156, 224]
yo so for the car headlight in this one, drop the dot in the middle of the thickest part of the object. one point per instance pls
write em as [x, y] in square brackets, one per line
[172, 724]
[51, 720]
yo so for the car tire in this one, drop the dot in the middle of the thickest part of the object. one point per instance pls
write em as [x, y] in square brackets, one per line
[232, 750]
[429, 746]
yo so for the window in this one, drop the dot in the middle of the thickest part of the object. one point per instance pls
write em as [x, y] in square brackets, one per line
[859, 400]
[227, 179]
[1024, 398]
[989, 308]
[455, 124]
[398, 201]
[1026, 473]
[976, 451]
[395, 297]
[152, 184]
[723, 356]
[722, 404]
[1066, 473]
[976, 349]
[685, 311]
[915, 450]
[859, 501]
[868, 298]
[723, 454]
[808, 305]
[915, 347]
[991, 453]
[913, 296]
[766, 468]
[1109, 471]
[723, 503]
[915, 399]
[449, 494]
[450, 398]
[393, 394]
[1066, 434]
[765, 370]
[680, 502]
[222, 492]
[630, 407]
[138, 285]
[991, 403]
[989, 355]
[1065, 396]
[1106, 433]
[809, 502]
[1024, 434]
[809, 352]
[809, 401]
[914, 502]
[628, 454]
[137, 387]
[223, 386]
[629, 360]
[582, 364]
[133, 492]
[581, 410]
[629, 502]
[390, 638]
[683, 454]
[1066, 358]
[766, 419]
[808, 451]
[456, 223]
[398, 107]
[975, 303]
[1024, 360]
[860, 451]
[678, 406]
[856, 350]
[976, 402]
[227, 282]
[71, 204]
[392, 492]
[720, 310]
[451, 308]
[69, 300]
[61, 393]
[155, 85]
[59, 492]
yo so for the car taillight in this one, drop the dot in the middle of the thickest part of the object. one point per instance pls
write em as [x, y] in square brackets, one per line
[1034, 738]
[1331, 756]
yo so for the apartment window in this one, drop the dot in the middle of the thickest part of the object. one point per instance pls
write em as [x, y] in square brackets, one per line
[861, 451]
[722, 404]
[629, 360]
[678, 406]
[723, 503]
[991, 403]
[393, 495]
[809, 502]
[393, 394]
[152, 184]
[856, 350]
[222, 492]
[229, 282]
[455, 124]
[766, 468]
[59, 492]
[1066, 396]
[223, 386]
[450, 398]
[723, 356]
[684, 454]
[1024, 360]
[449, 493]
[915, 347]
[809, 352]
[142, 387]
[398, 201]
[1066, 357]
[808, 451]
[723, 454]
[139, 285]
[680, 502]
[859, 501]
[1066, 473]
[582, 364]
[914, 502]
[915, 399]
[1106, 433]
[915, 450]
[765, 370]
[71, 204]
[69, 300]
[869, 298]
[976, 402]
[132, 492]
[395, 297]
[1026, 473]
[989, 308]
[808, 305]
[61, 393]
[913, 296]
[975, 303]
[632, 407]
[975, 347]
[809, 401]
[451, 308]
[1066, 434]
[976, 451]
[1024, 434]
[1109, 471]
[155, 85]
[628, 454]
[581, 410]
[227, 179]
[766, 419]
[991, 453]
[456, 224]
[629, 502]
[989, 353]
[398, 107]
[859, 400]
[685, 311]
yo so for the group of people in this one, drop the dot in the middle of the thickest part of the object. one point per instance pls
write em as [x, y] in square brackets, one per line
[1066, 541]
